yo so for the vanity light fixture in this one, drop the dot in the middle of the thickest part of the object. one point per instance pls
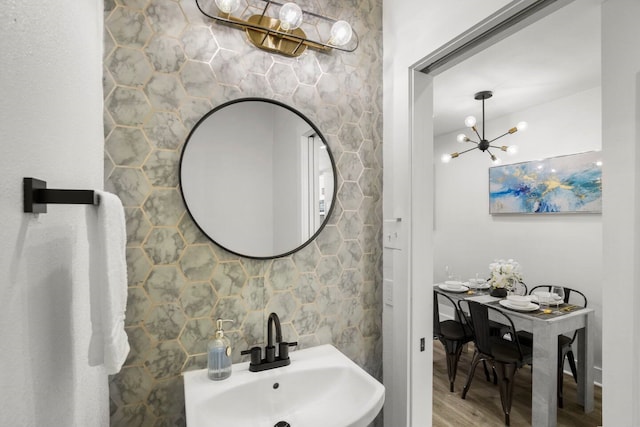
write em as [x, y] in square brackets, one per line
[283, 34]
[483, 144]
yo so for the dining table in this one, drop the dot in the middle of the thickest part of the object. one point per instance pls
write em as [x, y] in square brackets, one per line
[545, 324]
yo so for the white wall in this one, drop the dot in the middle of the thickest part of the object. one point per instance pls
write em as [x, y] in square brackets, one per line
[287, 180]
[248, 167]
[50, 128]
[413, 29]
[552, 249]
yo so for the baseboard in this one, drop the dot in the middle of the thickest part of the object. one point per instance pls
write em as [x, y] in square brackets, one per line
[597, 373]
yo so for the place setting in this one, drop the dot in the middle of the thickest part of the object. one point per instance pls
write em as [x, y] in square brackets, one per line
[519, 303]
[453, 282]
[478, 283]
[454, 286]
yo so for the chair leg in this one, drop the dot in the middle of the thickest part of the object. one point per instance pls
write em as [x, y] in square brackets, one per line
[506, 372]
[474, 362]
[486, 370]
[452, 364]
[572, 364]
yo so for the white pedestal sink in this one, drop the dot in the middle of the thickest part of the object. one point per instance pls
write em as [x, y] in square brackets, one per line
[321, 387]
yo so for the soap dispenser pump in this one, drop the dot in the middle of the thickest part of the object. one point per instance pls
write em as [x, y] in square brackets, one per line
[219, 354]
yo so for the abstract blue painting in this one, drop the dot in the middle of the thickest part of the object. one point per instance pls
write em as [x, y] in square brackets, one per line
[564, 184]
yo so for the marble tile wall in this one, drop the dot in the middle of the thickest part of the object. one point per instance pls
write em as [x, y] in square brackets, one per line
[166, 65]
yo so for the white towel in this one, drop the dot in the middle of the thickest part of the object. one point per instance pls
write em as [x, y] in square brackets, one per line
[109, 345]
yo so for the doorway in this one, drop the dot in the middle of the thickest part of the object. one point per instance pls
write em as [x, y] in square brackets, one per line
[420, 281]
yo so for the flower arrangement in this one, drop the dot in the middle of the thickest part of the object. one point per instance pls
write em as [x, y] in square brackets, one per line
[504, 274]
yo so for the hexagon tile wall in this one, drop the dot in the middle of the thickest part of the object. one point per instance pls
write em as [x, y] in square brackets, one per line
[165, 66]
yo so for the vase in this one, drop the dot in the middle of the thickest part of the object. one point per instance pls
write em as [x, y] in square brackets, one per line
[498, 292]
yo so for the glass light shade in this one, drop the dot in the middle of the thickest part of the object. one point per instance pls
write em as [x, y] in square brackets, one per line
[290, 16]
[462, 137]
[446, 158]
[341, 33]
[470, 121]
[228, 6]
[522, 126]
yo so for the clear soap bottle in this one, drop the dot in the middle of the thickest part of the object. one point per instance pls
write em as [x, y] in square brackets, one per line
[219, 354]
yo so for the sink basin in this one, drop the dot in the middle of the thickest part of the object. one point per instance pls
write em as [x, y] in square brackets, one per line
[321, 387]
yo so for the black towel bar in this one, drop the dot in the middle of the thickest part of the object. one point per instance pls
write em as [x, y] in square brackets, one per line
[37, 196]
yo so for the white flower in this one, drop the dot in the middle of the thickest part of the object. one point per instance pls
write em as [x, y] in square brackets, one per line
[504, 274]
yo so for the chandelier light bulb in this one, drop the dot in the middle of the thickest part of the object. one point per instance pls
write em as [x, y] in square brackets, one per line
[462, 138]
[522, 126]
[341, 33]
[290, 16]
[512, 149]
[470, 121]
[228, 6]
[495, 160]
[446, 158]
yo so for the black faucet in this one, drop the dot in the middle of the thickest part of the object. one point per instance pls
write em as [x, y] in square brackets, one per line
[270, 361]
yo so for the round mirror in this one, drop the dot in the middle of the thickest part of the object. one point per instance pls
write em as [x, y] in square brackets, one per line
[258, 178]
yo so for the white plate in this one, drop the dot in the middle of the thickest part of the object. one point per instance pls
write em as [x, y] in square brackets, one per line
[530, 307]
[454, 282]
[483, 286]
[446, 287]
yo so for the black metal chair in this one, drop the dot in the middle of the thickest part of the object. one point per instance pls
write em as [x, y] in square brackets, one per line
[565, 349]
[463, 306]
[519, 288]
[505, 356]
[452, 333]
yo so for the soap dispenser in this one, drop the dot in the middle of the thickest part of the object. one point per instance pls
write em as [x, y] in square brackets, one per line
[219, 354]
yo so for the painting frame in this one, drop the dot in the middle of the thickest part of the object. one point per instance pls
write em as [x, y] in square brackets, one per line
[568, 184]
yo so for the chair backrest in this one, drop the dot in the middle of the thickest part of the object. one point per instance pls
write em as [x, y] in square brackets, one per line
[571, 296]
[438, 299]
[520, 288]
[479, 314]
[465, 314]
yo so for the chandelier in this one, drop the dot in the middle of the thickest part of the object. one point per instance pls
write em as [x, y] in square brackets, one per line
[483, 144]
[282, 34]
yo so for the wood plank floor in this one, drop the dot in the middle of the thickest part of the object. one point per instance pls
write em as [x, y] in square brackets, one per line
[482, 405]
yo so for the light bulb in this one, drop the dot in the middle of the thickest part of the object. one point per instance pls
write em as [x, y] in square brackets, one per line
[290, 16]
[341, 33]
[446, 158]
[512, 149]
[522, 125]
[462, 138]
[495, 160]
[470, 121]
[228, 6]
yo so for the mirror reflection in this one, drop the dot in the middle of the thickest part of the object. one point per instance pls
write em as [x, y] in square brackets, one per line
[257, 177]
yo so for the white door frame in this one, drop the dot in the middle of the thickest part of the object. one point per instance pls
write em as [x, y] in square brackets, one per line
[416, 253]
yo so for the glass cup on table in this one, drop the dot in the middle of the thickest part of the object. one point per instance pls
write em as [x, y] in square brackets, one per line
[557, 295]
[544, 300]
[448, 273]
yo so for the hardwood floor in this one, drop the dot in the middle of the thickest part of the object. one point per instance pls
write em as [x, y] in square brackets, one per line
[482, 405]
